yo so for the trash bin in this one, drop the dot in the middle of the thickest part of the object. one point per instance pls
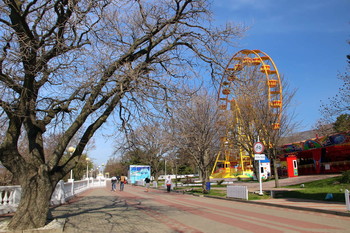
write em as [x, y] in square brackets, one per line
[207, 186]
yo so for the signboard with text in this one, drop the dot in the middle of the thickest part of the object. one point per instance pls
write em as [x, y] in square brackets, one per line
[259, 157]
[139, 172]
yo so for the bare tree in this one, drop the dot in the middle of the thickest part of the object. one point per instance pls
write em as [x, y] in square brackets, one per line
[337, 110]
[150, 139]
[252, 120]
[339, 104]
[195, 129]
[67, 65]
[323, 127]
[115, 167]
[273, 138]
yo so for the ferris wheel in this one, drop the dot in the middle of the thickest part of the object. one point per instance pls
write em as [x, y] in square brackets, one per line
[249, 66]
[248, 73]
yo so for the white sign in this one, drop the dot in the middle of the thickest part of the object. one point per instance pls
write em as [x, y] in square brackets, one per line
[258, 148]
[259, 157]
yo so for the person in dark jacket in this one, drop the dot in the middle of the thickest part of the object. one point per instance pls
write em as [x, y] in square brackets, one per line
[147, 181]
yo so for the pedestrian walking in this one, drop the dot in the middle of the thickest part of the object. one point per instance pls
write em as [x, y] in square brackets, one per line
[114, 183]
[147, 181]
[123, 181]
[168, 184]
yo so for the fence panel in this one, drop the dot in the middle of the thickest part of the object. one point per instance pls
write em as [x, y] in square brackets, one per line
[237, 192]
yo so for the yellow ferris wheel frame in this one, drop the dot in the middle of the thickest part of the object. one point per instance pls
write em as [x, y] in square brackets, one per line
[260, 62]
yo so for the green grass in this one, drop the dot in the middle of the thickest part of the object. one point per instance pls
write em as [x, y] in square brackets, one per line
[255, 196]
[217, 192]
[317, 190]
[222, 193]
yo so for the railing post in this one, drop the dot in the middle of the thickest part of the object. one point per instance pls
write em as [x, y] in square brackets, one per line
[58, 196]
[5, 198]
[155, 184]
[72, 191]
[347, 201]
[11, 197]
[17, 195]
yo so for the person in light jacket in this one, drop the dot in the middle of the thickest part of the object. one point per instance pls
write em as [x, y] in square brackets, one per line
[122, 182]
[168, 184]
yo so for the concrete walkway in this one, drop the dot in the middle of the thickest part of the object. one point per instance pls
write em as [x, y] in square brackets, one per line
[134, 210]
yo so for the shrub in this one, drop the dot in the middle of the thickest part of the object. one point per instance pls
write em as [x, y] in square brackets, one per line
[219, 182]
[345, 178]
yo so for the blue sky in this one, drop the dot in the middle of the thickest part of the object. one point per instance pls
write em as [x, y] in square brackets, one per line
[307, 39]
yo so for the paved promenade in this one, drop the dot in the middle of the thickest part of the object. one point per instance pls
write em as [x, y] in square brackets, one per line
[134, 210]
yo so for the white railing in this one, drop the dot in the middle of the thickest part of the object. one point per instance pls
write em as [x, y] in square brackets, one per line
[10, 196]
[66, 190]
[347, 200]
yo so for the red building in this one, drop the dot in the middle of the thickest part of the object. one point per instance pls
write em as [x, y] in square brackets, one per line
[330, 154]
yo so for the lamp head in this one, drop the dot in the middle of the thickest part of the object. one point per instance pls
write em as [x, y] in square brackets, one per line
[71, 149]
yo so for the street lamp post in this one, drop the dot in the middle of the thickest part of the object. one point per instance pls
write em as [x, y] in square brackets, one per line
[87, 167]
[70, 151]
[164, 167]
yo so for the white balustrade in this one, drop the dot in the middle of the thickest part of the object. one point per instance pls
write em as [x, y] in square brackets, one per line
[10, 196]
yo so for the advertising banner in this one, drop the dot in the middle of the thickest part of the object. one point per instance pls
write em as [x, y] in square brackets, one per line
[139, 172]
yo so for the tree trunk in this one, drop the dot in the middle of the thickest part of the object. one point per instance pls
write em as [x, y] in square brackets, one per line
[277, 184]
[33, 208]
[205, 179]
